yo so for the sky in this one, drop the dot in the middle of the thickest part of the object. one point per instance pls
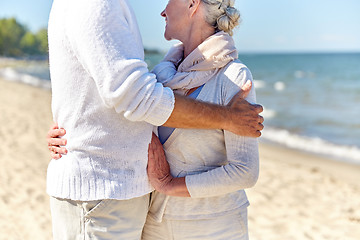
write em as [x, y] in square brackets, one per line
[267, 26]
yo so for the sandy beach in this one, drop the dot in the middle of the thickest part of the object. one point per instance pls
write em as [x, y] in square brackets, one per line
[298, 195]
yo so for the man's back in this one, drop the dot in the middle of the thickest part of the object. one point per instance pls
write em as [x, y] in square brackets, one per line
[103, 96]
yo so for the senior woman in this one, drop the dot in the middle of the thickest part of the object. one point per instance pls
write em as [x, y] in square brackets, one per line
[200, 175]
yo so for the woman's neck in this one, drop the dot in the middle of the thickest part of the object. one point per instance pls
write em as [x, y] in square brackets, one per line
[196, 36]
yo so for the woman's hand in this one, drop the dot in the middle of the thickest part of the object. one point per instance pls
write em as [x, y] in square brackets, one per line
[55, 143]
[159, 172]
[158, 168]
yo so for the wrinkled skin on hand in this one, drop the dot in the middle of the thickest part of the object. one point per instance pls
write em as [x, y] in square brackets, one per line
[244, 118]
[158, 168]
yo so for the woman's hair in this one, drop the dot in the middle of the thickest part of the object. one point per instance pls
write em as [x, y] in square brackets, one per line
[222, 15]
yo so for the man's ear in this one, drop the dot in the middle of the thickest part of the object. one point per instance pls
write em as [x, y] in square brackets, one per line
[193, 6]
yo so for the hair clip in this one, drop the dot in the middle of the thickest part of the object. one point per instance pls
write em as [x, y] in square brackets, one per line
[221, 3]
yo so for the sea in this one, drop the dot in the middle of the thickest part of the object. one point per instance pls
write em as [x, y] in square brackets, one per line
[311, 101]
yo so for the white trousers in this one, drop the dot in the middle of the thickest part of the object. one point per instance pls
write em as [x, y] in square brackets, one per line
[229, 227]
[99, 220]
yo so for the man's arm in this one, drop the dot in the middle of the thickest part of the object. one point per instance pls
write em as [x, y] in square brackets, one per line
[123, 80]
[104, 38]
[241, 171]
[239, 116]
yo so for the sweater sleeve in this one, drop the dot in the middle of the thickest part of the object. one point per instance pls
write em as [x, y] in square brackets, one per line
[105, 39]
[242, 169]
[166, 70]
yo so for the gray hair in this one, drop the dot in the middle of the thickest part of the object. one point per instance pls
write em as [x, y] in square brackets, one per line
[222, 15]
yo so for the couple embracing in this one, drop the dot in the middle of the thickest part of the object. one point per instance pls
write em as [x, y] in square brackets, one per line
[186, 130]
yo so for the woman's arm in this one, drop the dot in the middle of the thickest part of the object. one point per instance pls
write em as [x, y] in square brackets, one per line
[55, 142]
[242, 153]
[241, 171]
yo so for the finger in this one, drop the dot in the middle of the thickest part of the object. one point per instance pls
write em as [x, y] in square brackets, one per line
[245, 89]
[150, 155]
[56, 150]
[61, 150]
[153, 145]
[247, 86]
[51, 149]
[55, 133]
[260, 119]
[153, 136]
[260, 127]
[239, 96]
[54, 126]
[55, 156]
[258, 108]
[258, 134]
[150, 148]
[56, 142]
[157, 146]
[156, 139]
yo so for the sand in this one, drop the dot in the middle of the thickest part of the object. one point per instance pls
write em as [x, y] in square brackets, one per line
[298, 195]
[302, 196]
[25, 117]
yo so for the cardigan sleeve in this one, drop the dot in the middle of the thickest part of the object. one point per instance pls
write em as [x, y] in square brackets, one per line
[105, 39]
[242, 169]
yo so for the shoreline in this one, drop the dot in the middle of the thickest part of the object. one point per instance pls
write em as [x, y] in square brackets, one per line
[298, 196]
[330, 164]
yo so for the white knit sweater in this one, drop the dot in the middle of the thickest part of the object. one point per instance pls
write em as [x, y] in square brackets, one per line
[105, 98]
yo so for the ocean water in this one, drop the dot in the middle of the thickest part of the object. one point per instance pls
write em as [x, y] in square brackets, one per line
[311, 101]
[34, 73]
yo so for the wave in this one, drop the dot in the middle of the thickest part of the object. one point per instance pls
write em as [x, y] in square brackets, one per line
[299, 74]
[268, 113]
[278, 86]
[259, 84]
[12, 74]
[312, 144]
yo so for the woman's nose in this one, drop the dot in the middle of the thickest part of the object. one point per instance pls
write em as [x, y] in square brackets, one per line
[163, 13]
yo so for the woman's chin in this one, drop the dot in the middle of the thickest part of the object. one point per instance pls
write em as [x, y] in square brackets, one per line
[168, 38]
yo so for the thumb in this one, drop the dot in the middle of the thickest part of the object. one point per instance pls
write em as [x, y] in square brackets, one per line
[245, 89]
[242, 94]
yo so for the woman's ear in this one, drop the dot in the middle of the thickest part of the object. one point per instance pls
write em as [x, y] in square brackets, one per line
[193, 6]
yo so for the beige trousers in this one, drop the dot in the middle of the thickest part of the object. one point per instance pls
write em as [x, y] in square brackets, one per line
[229, 227]
[99, 220]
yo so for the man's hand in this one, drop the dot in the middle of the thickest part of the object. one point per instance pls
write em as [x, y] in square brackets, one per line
[243, 118]
[55, 143]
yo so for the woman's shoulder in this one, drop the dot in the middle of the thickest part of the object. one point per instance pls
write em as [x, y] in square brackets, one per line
[227, 82]
[234, 74]
[231, 78]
